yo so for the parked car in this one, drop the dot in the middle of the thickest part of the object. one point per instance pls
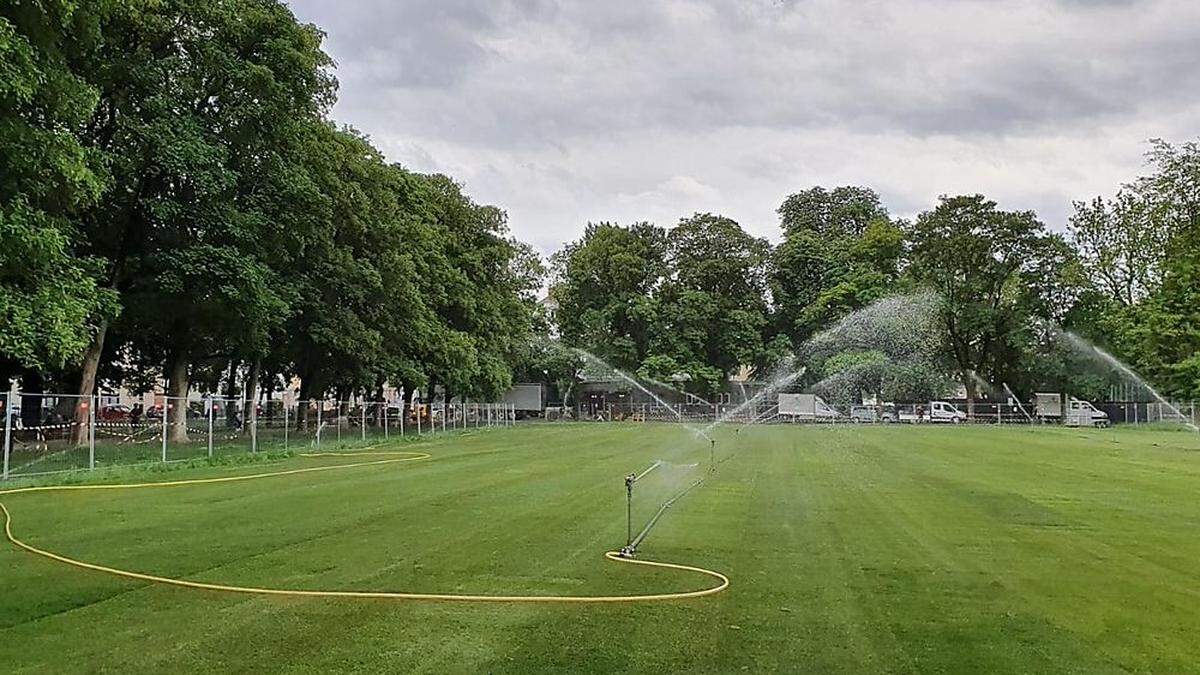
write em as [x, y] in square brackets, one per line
[937, 412]
[883, 412]
[114, 413]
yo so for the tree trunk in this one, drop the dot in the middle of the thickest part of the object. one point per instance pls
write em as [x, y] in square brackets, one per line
[969, 385]
[175, 405]
[87, 383]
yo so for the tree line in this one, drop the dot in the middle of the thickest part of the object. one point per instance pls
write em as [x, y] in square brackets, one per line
[695, 303]
[176, 202]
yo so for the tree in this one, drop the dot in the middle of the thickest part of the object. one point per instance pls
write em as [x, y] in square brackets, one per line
[995, 272]
[844, 211]
[604, 284]
[197, 101]
[840, 252]
[712, 309]
[486, 296]
[1141, 253]
[50, 300]
[1122, 243]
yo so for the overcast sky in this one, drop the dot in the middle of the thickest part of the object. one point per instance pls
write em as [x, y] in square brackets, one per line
[567, 112]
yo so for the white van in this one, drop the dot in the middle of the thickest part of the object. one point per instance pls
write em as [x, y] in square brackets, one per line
[938, 412]
[1084, 414]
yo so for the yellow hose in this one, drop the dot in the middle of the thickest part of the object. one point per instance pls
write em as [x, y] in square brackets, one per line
[379, 595]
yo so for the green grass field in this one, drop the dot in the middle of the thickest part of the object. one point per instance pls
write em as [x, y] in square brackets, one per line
[849, 549]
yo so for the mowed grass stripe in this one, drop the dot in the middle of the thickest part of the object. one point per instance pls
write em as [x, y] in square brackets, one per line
[851, 549]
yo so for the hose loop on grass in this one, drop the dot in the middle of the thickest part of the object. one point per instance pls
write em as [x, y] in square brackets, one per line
[722, 580]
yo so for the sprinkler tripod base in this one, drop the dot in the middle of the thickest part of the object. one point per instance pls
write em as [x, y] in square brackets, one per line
[627, 551]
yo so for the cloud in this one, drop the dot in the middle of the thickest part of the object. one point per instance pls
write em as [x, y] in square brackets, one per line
[561, 112]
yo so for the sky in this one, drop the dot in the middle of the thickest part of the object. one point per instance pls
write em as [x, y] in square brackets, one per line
[564, 113]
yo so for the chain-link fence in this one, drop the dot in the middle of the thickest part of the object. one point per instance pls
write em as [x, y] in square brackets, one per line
[50, 433]
[767, 410]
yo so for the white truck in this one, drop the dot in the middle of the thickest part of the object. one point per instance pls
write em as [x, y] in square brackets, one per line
[1076, 412]
[806, 407]
[937, 412]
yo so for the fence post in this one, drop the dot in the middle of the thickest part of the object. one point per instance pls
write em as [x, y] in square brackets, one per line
[386, 408]
[95, 401]
[8, 406]
[363, 419]
[254, 424]
[209, 405]
[338, 405]
[419, 411]
[320, 404]
[166, 406]
[285, 425]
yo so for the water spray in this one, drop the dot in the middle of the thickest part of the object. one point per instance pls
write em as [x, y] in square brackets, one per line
[1084, 345]
[1018, 402]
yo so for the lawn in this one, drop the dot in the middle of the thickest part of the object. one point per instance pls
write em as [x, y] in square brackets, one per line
[848, 549]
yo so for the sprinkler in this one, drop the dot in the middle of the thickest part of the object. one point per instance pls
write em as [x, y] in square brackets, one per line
[628, 550]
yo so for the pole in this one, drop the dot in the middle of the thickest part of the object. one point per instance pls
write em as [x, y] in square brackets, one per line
[629, 509]
[419, 411]
[8, 406]
[445, 411]
[285, 425]
[165, 411]
[209, 405]
[363, 419]
[95, 401]
[386, 408]
[320, 404]
[254, 422]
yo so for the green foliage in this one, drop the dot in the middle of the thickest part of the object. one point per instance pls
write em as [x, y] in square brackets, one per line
[603, 286]
[1142, 251]
[842, 212]
[995, 272]
[840, 252]
[50, 298]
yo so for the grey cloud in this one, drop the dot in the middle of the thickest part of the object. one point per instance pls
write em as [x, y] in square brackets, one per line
[565, 108]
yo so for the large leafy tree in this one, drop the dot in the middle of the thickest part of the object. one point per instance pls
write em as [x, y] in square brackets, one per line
[604, 285]
[358, 311]
[485, 294]
[712, 309]
[197, 101]
[1122, 243]
[1140, 252]
[996, 272]
[840, 252]
[844, 211]
[50, 297]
